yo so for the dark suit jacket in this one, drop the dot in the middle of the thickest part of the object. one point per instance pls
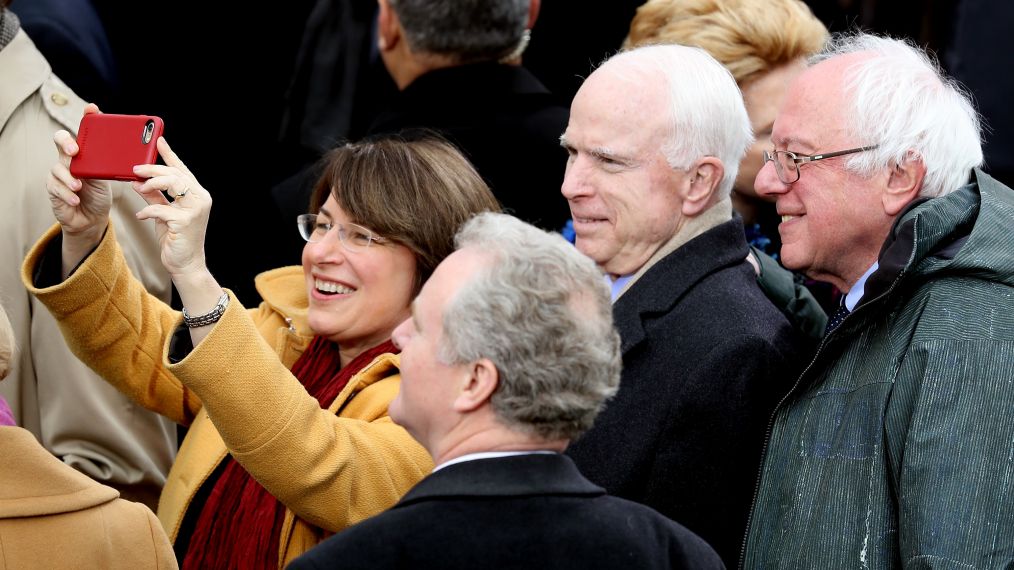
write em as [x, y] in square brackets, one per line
[499, 116]
[71, 36]
[706, 356]
[505, 121]
[528, 511]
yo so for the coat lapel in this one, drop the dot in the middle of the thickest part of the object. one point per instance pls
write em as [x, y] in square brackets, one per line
[665, 283]
[521, 475]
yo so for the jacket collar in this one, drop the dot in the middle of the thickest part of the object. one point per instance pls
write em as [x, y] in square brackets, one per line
[717, 214]
[25, 71]
[35, 483]
[463, 81]
[284, 290]
[519, 475]
[663, 285]
[929, 231]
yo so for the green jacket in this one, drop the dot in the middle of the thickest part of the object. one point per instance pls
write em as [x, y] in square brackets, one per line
[896, 446]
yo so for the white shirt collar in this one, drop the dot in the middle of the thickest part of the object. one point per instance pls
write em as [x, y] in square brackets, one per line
[857, 290]
[616, 285]
[489, 455]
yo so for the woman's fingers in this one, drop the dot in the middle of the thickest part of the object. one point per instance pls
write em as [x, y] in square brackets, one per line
[151, 194]
[58, 189]
[152, 170]
[65, 145]
[161, 212]
[62, 175]
[152, 188]
[170, 158]
[173, 182]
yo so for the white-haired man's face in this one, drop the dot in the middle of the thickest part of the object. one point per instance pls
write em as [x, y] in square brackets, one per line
[833, 220]
[619, 186]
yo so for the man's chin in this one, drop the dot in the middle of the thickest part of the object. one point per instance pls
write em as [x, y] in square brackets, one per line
[793, 260]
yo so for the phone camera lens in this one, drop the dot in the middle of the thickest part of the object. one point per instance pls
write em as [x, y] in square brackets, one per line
[149, 128]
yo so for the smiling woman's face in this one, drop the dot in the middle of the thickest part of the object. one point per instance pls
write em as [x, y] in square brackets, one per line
[356, 299]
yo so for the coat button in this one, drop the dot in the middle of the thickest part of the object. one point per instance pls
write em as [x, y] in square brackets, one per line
[59, 98]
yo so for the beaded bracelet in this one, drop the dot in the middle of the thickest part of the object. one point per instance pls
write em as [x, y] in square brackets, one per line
[208, 318]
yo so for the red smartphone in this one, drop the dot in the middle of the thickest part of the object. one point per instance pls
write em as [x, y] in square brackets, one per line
[110, 145]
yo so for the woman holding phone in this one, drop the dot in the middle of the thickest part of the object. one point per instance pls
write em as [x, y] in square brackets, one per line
[289, 439]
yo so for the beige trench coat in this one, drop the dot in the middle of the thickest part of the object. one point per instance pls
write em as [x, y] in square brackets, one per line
[74, 413]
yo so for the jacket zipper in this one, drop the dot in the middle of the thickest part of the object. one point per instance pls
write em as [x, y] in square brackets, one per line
[771, 420]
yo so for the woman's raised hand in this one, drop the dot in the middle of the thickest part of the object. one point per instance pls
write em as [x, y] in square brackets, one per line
[182, 223]
[81, 206]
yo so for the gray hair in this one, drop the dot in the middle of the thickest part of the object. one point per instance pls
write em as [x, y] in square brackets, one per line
[900, 100]
[541, 312]
[465, 30]
[707, 114]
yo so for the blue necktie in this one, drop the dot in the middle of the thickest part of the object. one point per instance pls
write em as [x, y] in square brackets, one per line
[836, 318]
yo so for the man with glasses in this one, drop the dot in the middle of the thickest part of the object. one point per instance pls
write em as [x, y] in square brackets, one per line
[895, 446]
[706, 355]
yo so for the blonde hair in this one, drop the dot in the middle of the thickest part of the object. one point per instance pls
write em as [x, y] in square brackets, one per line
[7, 345]
[748, 37]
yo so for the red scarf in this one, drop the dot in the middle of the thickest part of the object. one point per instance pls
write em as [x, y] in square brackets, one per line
[240, 524]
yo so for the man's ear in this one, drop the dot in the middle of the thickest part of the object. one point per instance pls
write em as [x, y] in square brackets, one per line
[388, 27]
[904, 182]
[701, 184]
[476, 390]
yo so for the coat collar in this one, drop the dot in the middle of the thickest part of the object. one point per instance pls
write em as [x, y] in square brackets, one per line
[284, 290]
[929, 234]
[25, 70]
[662, 286]
[499, 80]
[519, 475]
[35, 483]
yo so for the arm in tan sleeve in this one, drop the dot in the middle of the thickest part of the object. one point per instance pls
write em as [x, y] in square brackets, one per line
[332, 471]
[115, 326]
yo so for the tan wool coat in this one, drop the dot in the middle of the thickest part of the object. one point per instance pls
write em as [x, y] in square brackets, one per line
[52, 516]
[330, 467]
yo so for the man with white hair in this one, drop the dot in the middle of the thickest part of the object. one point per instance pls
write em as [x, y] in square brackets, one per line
[894, 448]
[509, 354]
[655, 139]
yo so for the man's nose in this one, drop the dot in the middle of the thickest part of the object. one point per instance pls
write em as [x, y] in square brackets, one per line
[575, 179]
[767, 182]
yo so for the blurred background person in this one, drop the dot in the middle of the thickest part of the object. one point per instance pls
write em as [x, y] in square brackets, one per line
[53, 394]
[274, 460]
[764, 44]
[456, 66]
[52, 516]
[72, 38]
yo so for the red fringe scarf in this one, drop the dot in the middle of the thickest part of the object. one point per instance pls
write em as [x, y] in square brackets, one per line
[240, 524]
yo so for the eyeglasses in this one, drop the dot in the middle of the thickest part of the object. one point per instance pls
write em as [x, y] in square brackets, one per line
[354, 237]
[787, 163]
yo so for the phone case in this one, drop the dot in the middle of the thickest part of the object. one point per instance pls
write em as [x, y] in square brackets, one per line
[111, 145]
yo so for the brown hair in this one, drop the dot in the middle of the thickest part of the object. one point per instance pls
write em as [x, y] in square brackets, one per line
[748, 37]
[7, 345]
[416, 189]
